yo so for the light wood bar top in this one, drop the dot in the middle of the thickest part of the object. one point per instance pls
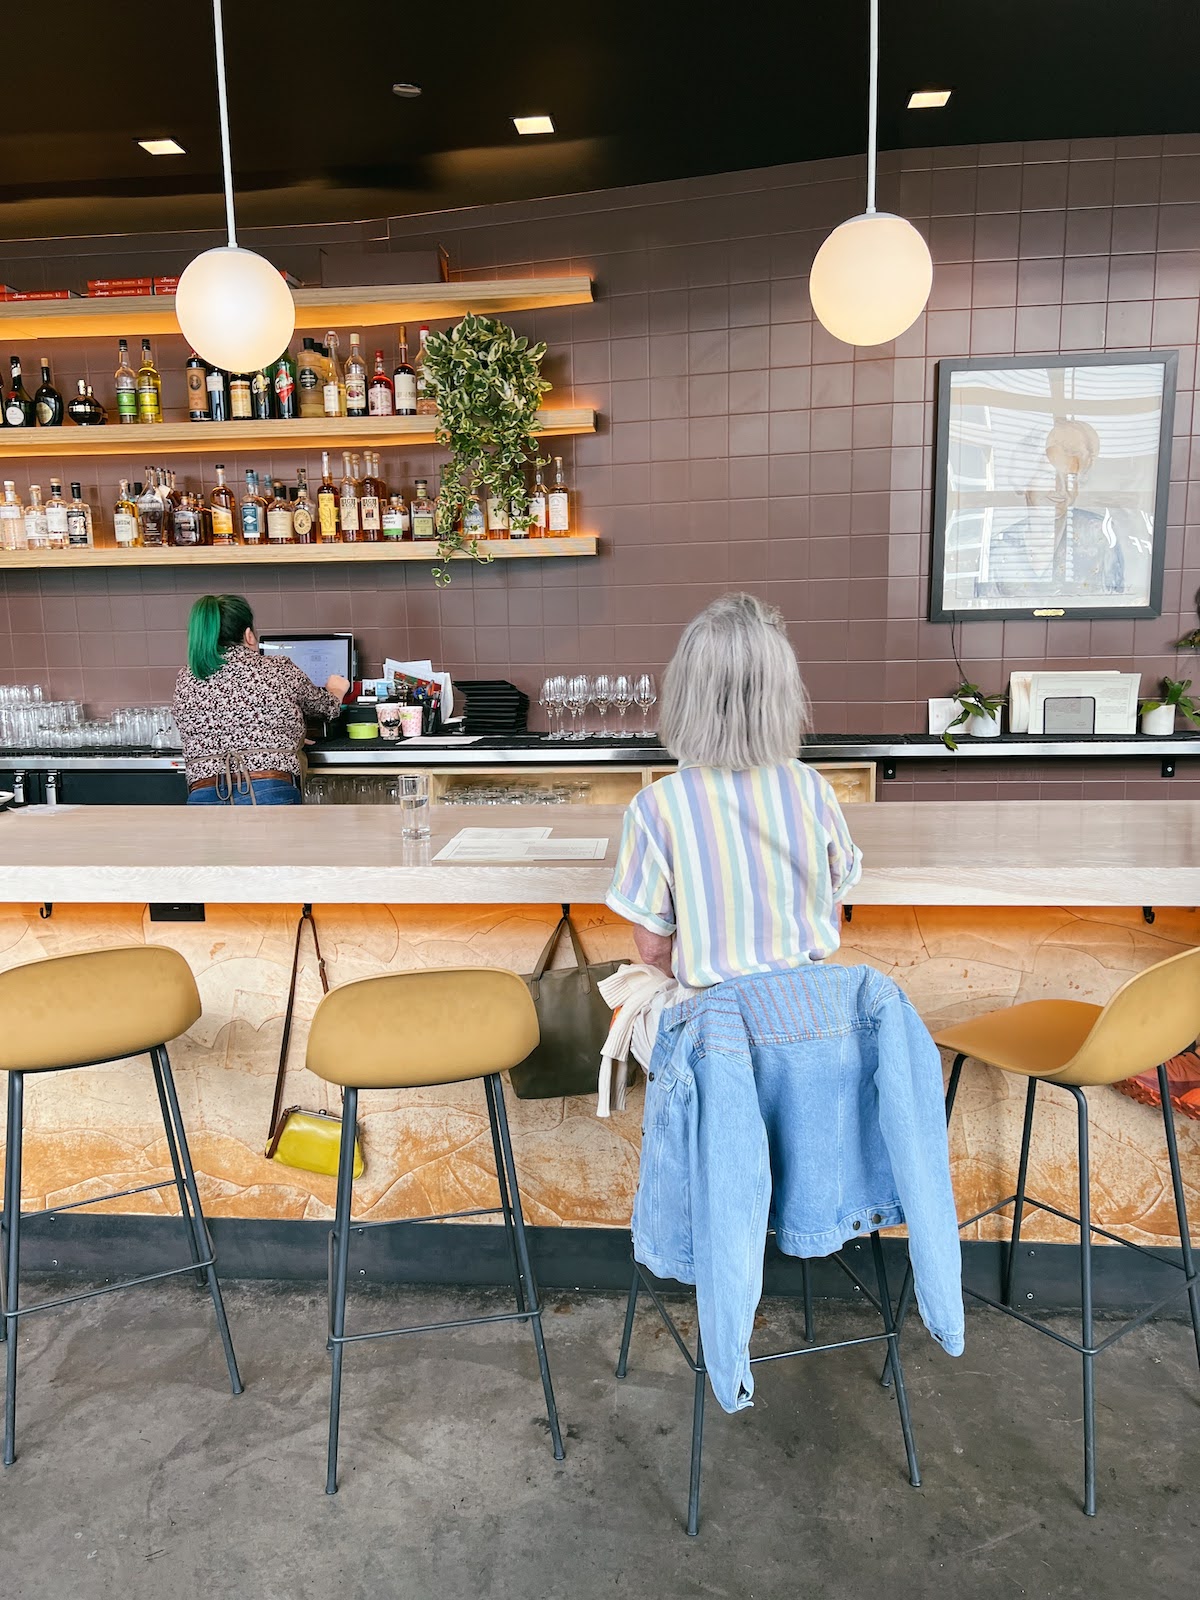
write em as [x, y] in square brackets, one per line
[1018, 853]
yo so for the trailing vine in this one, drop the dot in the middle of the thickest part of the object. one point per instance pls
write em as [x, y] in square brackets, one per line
[488, 385]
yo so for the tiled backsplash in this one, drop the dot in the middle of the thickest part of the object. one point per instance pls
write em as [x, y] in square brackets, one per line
[739, 444]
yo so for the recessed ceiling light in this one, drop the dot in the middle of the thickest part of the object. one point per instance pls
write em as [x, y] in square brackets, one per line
[406, 91]
[928, 99]
[162, 147]
[533, 125]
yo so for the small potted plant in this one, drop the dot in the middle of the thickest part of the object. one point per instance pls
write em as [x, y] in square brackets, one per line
[1158, 715]
[978, 714]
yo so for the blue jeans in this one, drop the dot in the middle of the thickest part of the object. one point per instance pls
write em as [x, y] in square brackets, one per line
[267, 792]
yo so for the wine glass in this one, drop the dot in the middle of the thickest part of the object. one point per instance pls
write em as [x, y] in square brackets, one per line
[577, 699]
[551, 698]
[645, 694]
[622, 698]
[602, 693]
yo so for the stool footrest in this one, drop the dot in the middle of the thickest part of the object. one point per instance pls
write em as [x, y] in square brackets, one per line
[434, 1327]
[108, 1288]
[442, 1216]
[99, 1199]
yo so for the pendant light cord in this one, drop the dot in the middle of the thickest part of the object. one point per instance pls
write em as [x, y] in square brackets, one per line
[223, 105]
[872, 109]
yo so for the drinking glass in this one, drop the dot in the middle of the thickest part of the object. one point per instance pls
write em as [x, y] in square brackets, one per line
[577, 699]
[645, 694]
[551, 697]
[622, 698]
[602, 693]
[413, 790]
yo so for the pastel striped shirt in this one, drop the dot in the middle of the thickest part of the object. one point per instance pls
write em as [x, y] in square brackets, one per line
[744, 869]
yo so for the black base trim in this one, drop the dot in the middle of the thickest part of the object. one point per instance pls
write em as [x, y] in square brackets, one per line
[106, 1247]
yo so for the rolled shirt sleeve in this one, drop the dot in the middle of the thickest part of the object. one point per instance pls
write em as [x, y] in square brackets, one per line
[845, 858]
[641, 887]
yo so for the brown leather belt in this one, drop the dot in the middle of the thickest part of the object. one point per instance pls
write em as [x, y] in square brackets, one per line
[255, 777]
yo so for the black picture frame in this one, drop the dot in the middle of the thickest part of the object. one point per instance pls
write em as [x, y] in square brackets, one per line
[1063, 607]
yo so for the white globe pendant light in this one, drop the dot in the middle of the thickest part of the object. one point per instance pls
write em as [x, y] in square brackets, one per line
[872, 276]
[233, 306]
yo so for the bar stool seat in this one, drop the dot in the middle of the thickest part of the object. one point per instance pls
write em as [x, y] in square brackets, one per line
[422, 1029]
[1152, 1017]
[70, 1012]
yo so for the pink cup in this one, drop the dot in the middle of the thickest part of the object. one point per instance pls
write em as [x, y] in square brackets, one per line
[410, 721]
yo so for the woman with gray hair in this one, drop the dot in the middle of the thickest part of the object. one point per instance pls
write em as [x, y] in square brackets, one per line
[735, 864]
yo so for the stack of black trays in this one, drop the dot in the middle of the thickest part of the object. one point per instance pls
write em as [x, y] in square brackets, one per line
[494, 706]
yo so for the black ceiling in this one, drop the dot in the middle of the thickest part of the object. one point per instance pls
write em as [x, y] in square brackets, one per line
[638, 92]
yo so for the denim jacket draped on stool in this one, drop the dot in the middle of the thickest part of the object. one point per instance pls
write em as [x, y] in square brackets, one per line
[807, 1101]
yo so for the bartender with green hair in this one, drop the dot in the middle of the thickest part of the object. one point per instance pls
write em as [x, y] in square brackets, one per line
[241, 714]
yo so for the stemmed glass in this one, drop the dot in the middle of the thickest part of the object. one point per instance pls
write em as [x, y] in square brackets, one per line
[602, 694]
[553, 698]
[577, 698]
[645, 694]
[622, 698]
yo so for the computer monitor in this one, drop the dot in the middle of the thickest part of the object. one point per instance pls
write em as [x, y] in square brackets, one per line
[318, 655]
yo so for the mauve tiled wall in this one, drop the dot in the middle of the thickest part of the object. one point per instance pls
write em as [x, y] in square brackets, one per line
[740, 445]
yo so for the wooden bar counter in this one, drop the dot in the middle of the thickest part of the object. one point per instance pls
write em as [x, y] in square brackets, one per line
[968, 906]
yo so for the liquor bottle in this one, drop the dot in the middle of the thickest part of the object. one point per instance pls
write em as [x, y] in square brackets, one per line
[372, 499]
[426, 404]
[197, 389]
[47, 402]
[327, 505]
[240, 409]
[218, 395]
[424, 512]
[56, 516]
[222, 504]
[189, 523]
[79, 520]
[558, 503]
[380, 401]
[279, 517]
[356, 380]
[171, 499]
[149, 388]
[499, 524]
[84, 408]
[150, 512]
[303, 519]
[126, 380]
[348, 500]
[261, 388]
[335, 383]
[19, 409]
[396, 522]
[539, 506]
[37, 535]
[254, 511]
[310, 381]
[283, 379]
[474, 524]
[404, 381]
[125, 520]
[12, 518]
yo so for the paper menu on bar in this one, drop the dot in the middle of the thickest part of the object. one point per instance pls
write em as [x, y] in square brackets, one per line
[518, 845]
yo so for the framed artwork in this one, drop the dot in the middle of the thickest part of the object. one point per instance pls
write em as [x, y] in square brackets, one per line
[1050, 486]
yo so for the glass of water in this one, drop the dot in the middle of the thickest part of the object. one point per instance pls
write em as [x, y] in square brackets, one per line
[413, 794]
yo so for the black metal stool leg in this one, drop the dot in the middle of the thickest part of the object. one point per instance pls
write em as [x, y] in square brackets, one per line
[806, 1286]
[185, 1210]
[1019, 1205]
[12, 1253]
[505, 1199]
[1181, 1216]
[630, 1313]
[693, 1516]
[337, 1284]
[535, 1305]
[198, 1224]
[1085, 1300]
[889, 1327]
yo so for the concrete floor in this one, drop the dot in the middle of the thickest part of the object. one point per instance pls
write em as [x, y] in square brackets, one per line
[140, 1478]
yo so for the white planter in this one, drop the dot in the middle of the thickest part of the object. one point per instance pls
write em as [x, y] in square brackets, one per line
[1159, 722]
[984, 727]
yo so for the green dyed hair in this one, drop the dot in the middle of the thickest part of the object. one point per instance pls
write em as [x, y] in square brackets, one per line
[217, 622]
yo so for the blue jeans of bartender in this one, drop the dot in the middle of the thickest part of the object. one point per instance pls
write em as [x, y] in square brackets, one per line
[267, 792]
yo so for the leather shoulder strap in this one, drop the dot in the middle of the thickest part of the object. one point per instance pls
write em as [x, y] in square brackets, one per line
[275, 1128]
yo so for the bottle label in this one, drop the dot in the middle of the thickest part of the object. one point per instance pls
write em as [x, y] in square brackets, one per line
[333, 400]
[279, 525]
[422, 525]
[124, 526]
[302, 522]
[349, 513]
[285, 388]
[187, 529]
[473, 522]
[379, 400]
[560, 514]
[497, 516]
[369, 506]
[260, 390]
[14, 415]
[406, 392]
[56, 521]
[45, 413]
[147, 403]
[197, 392]
[309, 378]
[77, 529]
[239, 398]
[356, 397]
[393, 525]
[127, 404]
[252, 528]
[222, 525]
[327, 510]
[216, 383]
[537, 511]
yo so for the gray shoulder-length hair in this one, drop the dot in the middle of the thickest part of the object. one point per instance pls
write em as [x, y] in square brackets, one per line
[732, 695]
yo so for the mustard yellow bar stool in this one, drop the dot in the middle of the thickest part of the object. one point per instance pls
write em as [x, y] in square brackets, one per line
[1077, 1046]
[78, 1011]
[415, 1030]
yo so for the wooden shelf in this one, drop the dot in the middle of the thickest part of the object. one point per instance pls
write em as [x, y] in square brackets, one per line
[289, 554]
[316, 309]
[151, 440]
